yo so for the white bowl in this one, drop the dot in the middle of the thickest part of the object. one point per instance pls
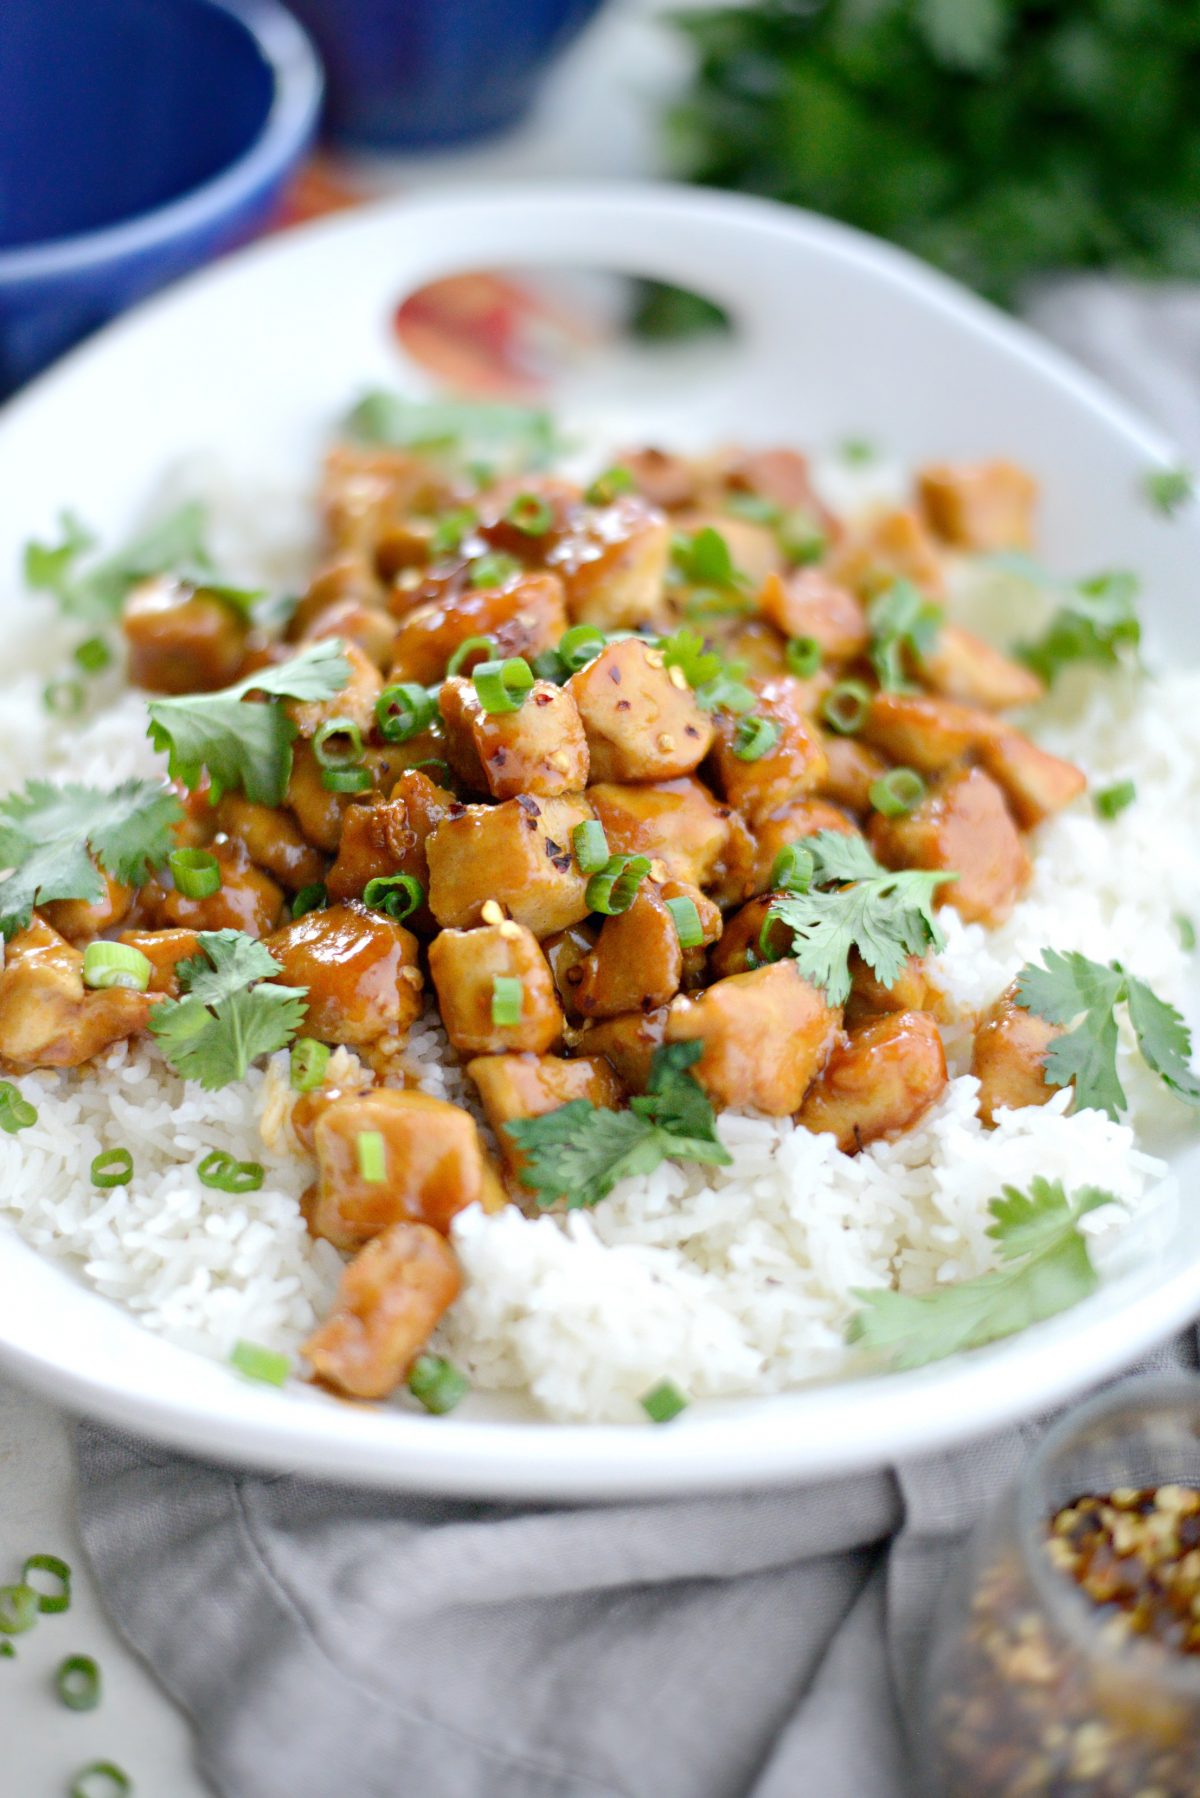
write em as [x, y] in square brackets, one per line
[841, 335]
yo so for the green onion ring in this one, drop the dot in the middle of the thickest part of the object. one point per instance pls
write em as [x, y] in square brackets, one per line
[531, 514]
[258, 1363]
[502, 686]
[78, 1682]
[792, 869]
[803, 656]
[310, 898]
[347, 780]
[471, 646]
[18, 1609]
[754, 737]
[330, 749]
[605, 488]
[404, 710]
[16, 1113]
[494, 570]
[196, 872]
[117, 1784]
[581, 645]
[437, 1384]
[114, 1167]
[897, 793]
[591, 846]
[845, 707]
[614, 889]
[508, 999]
[688, 927]
[106, 965]
[371, 1150]
[308, 1062]
[220, 1171]
[63, 698]
[399, 895]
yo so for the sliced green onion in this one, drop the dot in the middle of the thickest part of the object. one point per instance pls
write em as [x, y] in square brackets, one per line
[112, 1168]
[769, 947]
[196, 873]
[404, 710]
[347, 780]
[792, 870]
[857, 450]
[372, 1156]
[547, 664]
[688, 927]
[18, 1609]
[591, 846]
[310, 898]
[725, 691]
[399, 895]
[78, 1682]
[605, 488]
[754, 737]
[309, 1059]
[1187, 932]
[107, 965]
[258, 1363]
[1110, 802]
[445, 774]
[845, 707]
[437, 1384]
[896, 794]
[803, 656]
[508, 998]
[801, 538]
[338, 744]
[7, 1651]
[531, 514]
[494, 570]
[716, 602]
[16, 1113]
[49, 1603]
[220, 1171]
[117, 1784]
[63, 698]
[663, 1402]
[755, 508]
[471, 646]
[613, 889]
[581, 645]
[450, 530]
[93, 655]
[502, 686]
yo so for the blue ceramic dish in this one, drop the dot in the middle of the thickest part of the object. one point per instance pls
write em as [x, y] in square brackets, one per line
[138, 138]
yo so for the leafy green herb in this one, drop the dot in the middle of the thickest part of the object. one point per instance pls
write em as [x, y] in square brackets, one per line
[580, 1151]
[174, 545]
[703, 559]
[519, 437]
[49, 834]
[714, 681]
[858, 451]
[1169, 489]
[241, 745]
[1187, 932]
[851, 903]
[1045, 1268]
[1111, 801]
[229, 1016]
[1081, 996]
[662, 311]
[1097, 622]
[904, 626]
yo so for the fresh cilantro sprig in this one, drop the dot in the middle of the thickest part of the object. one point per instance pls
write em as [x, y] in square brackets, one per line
[714, 681]
[229, 1016]
[904, 628]
[49, 836]
[1046, 1267]
[851, 902]
[1070, 990]
[580, 1151]
[241, 745]
[1169, 489]
[704, 559]
[517, 437]
[1097, 622]
[174, 544]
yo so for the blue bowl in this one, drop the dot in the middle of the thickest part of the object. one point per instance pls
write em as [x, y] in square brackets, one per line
[138, 138]
[417, 74]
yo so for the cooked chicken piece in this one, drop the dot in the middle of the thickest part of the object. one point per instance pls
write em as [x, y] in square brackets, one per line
[962, 825]
[879, 1081]
[766, 1036]
[794, 762]
[79, 920]
[48, 1018]
[962, 666]
[852, 769]
[753, 548]
[739, 949]
[368, 627]
[677, 822]
[355, 701]
[752, 641]
[521, 618]
[318, 812]
[979, 506]
[365, 490]
[540, 748]
[1037, 783]
[347, 578]
[164, 950]
[467, 964]
[180, 638]
[519, 854]
[914, 989]
[791, 824]
[627, 1043]
[637, 961]
[360, 969]
[807, 603]
[500, 529]
[923, 733]
[271, 838]
[247, 898]
[641, 718]
[388, 1302]
[405, 544]
[433, 1165]
[664, 479]
[528, 1086]
[612, 563]
[780, 475]
[892, 546]
[564, 951]
[389, 837]
[1009, 1058]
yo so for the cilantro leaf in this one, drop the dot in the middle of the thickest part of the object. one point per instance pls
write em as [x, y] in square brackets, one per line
[228, 1018]
[1163, 1038]
[904, 626]
[174, 545]
[49, 835]
[688, 649]
[678, 1104]
[1169, 489]
[703, 559]
[245, 745]
[1046, 1268]
[520, 436]
[1097, 623]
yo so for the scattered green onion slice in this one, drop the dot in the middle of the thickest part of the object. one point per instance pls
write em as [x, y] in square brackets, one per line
[613, 889]
[16, 1113]
[803, 656]
[107, 965]
[897, 793]
[49, 1603]
[688, 927]
[220, 1171]
[346, 780]
[450, 530]
[494, 570]
[663, 1402]
[309, 1059]
[472, 646]
[547, 664]
[93, 655]
[502, 686]
[580, 645]
[338, 743]
[857, 450]
[310, 898]
[117, 1784]
[716, 602]
[372, 1156]
[801, 538]
[755, 508]
[7, 1651]
[196, 873]
[1110, 802]
[78, 1682]
[18, 1609]
[845, 707]
[792, 870]
[508, 998]
[258, 1363]
[591, 846]
[404, 710]
[63, 698]
[399, 895]
[1187, 932]
[445, 774]
[531, 514]
[605, 488]
[112, 1168]
[754, 737]
[437, 1384]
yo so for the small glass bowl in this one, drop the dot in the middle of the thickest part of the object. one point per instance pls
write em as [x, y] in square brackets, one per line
[1031, 1689]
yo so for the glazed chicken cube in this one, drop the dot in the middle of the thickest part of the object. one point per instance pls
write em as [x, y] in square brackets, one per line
[1009, 1057]
[164, 950]
[564, 951]
[79, 920]
[766, 1036]
[893, 546]
[540, 748]
[354, 702]
[807, 603]
[612, 563]
[627, 1043]
[1037, 783]
[247, 898]
[521, 618]
[377, 841]
[879, 1081]
[272, 839]
[962, 666]
[664, 479]
[637, 960]
[528, 1086]
[430, 1165]
[792, 764]
[641, 718]
[365, 490]
[914, 989]
[181, 639]
[388, 1302]
[740, 948]
[48, 1017]
[965, 827]
[923, 733]
[791, 824]
[369, 628]
[851, 771]
[677, 822]
[979, 506]
[360, 969]
[318, 812]
[517, 853]
[779, 475]
[467, 967]
[347, 577]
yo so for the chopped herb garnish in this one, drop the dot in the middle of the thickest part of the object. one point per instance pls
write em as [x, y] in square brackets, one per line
[53, 1603]
[590, 845]
[308, 1062]
[220, 1171]
[688, 927]
[399, 895]
[845, 706]
[755, 508]
[663, 1402]
[450, 530]
[49, 835]
[173, 545]
[113, 1167]
[1187, 932]
[106, 965]
[494, 569]
[503, 686]
[904, 628]
[613, 888]
[231, 1013]
[517, 437]
[113, 1781]
[688, 650]
[1097, 622]
[531, 514]
[437, 1384]
[77, 1681]
[508, 1000]
[1169, 489]
[259, 1363]
[801, 538]
[703, 559]
[1110, 802]
[754, 737]
[18, 1609]
[897, 793]
[64, 698]
[16, 1113]
[93, 655]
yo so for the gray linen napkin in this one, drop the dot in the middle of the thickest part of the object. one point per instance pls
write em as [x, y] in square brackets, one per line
[329, 1642]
